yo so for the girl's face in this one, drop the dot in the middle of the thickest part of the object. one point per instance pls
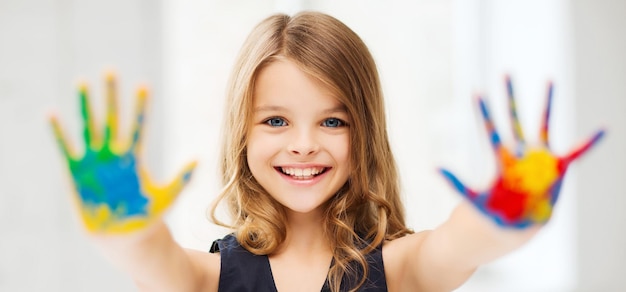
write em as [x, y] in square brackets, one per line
[298, 147]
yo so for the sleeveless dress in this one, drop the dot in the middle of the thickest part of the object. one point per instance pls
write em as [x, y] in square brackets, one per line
[243, 271]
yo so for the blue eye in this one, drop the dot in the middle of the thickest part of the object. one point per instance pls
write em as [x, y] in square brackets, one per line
[333, 123]
[276, 122]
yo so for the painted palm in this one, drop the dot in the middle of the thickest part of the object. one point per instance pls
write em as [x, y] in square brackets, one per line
[114, 192]
[529, 178]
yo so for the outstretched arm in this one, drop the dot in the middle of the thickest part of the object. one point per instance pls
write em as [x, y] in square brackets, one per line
[121, 207]
[495, 221]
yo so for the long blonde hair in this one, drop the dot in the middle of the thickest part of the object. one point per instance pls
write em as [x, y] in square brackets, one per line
[367, 210]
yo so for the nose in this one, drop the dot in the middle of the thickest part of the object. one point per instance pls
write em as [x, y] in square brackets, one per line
[303, 142]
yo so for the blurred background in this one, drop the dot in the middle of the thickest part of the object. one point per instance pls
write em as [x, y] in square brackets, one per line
[434, 57]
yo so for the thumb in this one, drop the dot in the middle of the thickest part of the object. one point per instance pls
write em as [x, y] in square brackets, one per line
[458, 185]
[165, 196]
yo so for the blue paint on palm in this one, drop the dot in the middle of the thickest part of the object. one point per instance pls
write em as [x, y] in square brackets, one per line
[112, 181]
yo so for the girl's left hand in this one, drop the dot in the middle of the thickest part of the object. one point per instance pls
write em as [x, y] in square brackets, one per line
[529, 178]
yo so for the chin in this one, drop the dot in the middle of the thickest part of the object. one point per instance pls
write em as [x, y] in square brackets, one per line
[304, 207]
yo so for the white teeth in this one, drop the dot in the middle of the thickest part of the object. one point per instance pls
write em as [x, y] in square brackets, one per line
[302, 172]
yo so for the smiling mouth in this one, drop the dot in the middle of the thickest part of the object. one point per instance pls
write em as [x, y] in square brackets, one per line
[302, 173]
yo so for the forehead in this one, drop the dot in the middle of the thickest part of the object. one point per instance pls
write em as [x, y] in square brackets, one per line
[283, 84]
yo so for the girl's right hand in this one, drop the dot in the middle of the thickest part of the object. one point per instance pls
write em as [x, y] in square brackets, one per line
[114, 192]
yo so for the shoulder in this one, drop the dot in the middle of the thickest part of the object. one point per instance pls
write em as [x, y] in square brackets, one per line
[209, 262]
[400, 256]
[396, 251]
[208, 265]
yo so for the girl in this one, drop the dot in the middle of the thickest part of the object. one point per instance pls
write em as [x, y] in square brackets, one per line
[309, 180]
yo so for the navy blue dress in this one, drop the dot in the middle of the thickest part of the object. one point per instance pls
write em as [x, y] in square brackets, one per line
[243, 271]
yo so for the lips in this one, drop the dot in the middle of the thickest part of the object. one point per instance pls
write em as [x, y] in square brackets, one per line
[302, 173]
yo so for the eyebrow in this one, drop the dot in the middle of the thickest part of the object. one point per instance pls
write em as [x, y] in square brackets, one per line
[269, 108]
[275, 108]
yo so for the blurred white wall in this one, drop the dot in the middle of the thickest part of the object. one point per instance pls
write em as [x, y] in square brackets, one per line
[600, 91]
[46, 48]
[433, 57]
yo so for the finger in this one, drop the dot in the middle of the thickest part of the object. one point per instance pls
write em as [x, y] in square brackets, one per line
[60, 138]
[142, 96]
[494, 138]
[110, 131]
[515, 124]
[544, 132]
[165, 196]
[183, 177]
[89, 131]
[458, 185]
[555, 190]
[580, 150]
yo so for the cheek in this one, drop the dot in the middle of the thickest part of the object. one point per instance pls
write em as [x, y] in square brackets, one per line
[253, 149]
[259, 148]
[341, 150]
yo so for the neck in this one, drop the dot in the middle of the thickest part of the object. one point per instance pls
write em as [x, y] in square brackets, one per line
[305, 233]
